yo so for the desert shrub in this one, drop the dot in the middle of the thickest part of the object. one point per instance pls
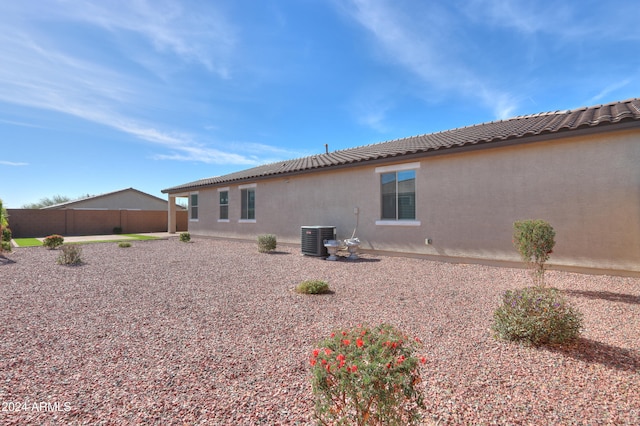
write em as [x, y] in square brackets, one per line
[367, 376]
[53, 241]
[266, 243]
[124, 244]
[536, 316]
[185, 237]
[312, 287]
[5, 242]
[117, 230]
[70, 255]
[534, 240]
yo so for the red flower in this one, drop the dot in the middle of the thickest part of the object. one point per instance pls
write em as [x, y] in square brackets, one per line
[353, 368]
[344, 333]
[333, 334]
[346, 342]
[316, 352]
[359, 343]
[312, 361]
[328, 351]
[401, 359]
[423, 360]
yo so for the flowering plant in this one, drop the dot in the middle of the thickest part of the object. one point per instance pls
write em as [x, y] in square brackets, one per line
[367, 376]
[53, 241]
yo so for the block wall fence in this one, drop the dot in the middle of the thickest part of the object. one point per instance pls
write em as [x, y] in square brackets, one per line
[26, 223]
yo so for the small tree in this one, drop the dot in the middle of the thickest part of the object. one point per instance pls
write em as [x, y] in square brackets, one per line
[534, 240]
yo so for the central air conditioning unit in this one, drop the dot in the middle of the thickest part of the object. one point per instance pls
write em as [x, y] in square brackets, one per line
[312, 241]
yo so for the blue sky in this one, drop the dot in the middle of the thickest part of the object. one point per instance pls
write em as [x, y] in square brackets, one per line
[97, 96]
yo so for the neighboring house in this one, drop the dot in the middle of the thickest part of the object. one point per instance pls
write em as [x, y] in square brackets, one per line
[451, 195]
[124, 199]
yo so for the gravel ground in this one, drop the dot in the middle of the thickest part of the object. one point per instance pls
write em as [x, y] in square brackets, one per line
[210, 332]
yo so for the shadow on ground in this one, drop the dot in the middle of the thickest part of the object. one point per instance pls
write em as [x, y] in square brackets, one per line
[591, 351]
[605, 295]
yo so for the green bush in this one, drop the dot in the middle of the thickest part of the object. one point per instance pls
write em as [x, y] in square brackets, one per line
[71, 255]
[124, 244]
[534, 240]
[6, 246]
[117, 230]
[6, 235]
[312, 287]
[266, 243]
[185, 237]
[536, 316]
[53, 241]
[367, 376]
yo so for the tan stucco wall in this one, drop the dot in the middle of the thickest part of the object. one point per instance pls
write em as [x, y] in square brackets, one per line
[588, 188]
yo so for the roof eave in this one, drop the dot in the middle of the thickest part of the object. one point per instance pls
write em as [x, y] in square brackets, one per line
[620, 125]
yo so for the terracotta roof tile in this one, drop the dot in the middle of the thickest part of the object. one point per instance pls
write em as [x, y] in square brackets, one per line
[517, 128]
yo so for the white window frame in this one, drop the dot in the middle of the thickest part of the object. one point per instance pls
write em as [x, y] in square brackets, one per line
[399, 168]
[227, 189]
[191, 206]
[247, 186]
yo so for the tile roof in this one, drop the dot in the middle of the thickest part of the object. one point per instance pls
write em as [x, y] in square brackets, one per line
[517, 128]
[93, 197]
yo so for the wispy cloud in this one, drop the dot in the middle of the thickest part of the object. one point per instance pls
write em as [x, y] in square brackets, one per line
[43, 72]
[194, 32]
[426, 47]
[20, 123]
[522, 16]
[12, 163]
[606, 91]
[564, 20]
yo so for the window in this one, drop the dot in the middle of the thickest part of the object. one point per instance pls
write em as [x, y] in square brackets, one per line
[398, 189]
[193, 206]
[224, 205]
[248, 204]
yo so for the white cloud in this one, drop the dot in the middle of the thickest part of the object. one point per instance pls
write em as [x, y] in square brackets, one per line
[20, 123]
[421, 38]
[194, 32]
[608, 90]
[12, 163]
[45, 72]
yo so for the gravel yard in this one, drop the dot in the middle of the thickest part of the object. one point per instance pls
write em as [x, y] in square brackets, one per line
[210, 332]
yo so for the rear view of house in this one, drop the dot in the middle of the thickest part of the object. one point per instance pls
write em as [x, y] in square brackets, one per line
[452, 195]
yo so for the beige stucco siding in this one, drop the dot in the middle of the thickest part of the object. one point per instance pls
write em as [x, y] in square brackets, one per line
[588, 188]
